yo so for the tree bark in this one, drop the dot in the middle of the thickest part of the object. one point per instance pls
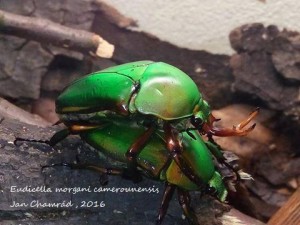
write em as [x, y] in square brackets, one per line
[21, 167]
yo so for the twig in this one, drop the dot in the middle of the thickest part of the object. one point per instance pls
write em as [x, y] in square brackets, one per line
[10, 111]
[46, 31]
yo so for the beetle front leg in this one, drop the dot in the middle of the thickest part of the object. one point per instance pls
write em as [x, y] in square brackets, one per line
[185, 201]
[175, 150]
[134, 151]
[168, 193]
[139, 144]
[237, 130]
[215, 149]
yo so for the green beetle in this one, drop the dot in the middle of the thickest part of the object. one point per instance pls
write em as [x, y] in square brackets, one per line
[154, 161]
[155, 96]
[144, 87]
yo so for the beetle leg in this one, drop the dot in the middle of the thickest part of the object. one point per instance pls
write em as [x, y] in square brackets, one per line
[74, 129]
[184, 201]
[59, 136]
[139, 144]
[98, 169]
[124, 173]
[235, 131]
[168, 193]
[62, 134]
[175, 149]
[215, 149]
[134, 150]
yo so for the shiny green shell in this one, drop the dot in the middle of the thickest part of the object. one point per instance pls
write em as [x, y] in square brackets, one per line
[146, 87]
[114, 139]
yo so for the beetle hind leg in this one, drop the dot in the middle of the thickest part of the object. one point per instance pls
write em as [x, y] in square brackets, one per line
[185, 201]
[168, 193]
[74, 129]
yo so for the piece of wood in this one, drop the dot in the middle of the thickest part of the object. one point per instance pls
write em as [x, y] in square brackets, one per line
[46, 31]
[289, 213]
[235, 217]
[10, 111]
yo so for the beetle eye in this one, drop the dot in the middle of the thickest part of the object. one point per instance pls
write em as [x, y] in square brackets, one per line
[196, 121]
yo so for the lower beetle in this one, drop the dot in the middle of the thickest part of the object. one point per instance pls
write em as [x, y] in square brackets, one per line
[154, 162]
[159, 99]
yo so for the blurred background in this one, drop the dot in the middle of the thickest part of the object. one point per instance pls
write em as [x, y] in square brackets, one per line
[241, 54]
[201, 25]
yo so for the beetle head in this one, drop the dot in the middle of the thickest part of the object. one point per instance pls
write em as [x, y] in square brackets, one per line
[203, 120]
[201, 114]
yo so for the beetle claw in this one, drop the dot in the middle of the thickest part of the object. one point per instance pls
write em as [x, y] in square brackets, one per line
[237, 130]
[247, 120]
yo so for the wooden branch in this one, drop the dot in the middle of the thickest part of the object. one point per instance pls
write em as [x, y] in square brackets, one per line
[235, 217]
[46, 31]
[10, 111]
[289, 214]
